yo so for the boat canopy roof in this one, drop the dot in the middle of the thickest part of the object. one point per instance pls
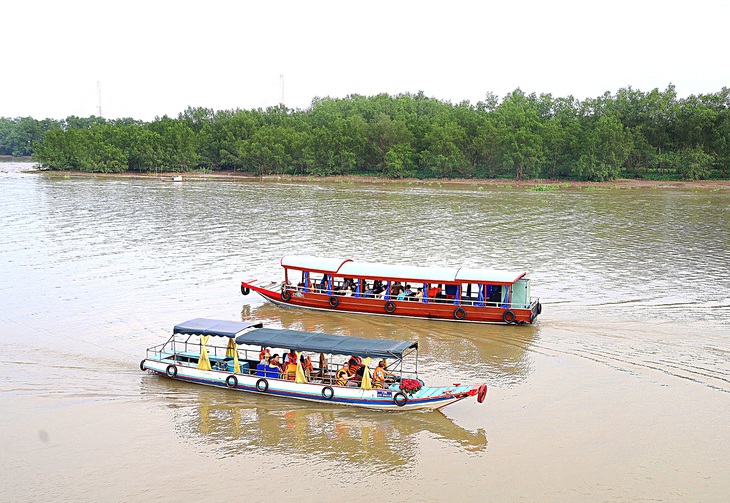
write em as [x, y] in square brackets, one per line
[351, 269]
[220, 328]
[315, 264]
[326, 343]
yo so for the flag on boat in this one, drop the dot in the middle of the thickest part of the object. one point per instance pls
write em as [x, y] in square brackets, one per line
[299, 376]
[204, 361]
[366, 384]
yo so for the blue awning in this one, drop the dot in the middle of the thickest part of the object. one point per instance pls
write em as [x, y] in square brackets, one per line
[325, 343]
[220, 328]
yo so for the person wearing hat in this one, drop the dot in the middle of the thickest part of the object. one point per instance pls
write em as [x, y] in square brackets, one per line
[379, 375]
[265, 353]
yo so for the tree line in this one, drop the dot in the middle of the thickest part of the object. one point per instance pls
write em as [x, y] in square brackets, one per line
[629, 134]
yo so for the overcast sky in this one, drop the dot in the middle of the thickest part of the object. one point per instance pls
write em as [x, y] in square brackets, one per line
[155, 58]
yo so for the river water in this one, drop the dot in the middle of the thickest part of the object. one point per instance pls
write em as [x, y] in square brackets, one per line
[619, 392]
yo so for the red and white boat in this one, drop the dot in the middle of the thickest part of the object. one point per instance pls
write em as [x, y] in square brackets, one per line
[457, 294]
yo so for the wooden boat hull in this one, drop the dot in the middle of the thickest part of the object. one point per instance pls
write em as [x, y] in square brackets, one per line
[428, 398]
[445, 309]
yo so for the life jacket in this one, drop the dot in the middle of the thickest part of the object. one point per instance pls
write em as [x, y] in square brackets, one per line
[342, 376]
[355, 363]
[378, 377]
[290, 359]
[307, 364]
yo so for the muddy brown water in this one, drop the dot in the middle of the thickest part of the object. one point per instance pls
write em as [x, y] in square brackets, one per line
[619, 392]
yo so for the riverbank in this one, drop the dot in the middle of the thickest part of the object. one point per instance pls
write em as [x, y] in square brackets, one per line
[535, 184]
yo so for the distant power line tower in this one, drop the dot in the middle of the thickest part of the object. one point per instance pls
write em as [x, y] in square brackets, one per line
[281, 82]
[98, 95]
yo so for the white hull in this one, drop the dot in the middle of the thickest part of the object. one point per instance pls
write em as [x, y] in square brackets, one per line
[428, 398]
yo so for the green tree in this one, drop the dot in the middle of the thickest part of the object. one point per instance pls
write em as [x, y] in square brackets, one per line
[605, 147]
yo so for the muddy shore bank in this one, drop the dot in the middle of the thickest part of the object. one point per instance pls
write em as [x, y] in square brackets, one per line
[623, 183]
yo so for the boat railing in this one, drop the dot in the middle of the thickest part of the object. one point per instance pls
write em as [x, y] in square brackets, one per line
[178, 352]
[465, 301]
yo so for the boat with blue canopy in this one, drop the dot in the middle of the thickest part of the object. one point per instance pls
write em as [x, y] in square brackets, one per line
[244, 361]
[441, 293]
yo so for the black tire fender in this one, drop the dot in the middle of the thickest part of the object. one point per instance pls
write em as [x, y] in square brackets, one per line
[231, 381]
[328, 392]
[285, 295]
[334, 301]
[389, 307]
[459, 313]
[142, 366]
[245, 290]
[400, 399]
[262, 385]
[171, 371]
[539, 308]
[508, 316]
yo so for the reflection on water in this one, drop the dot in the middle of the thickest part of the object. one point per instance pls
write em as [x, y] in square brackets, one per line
[449, 352]
[235, 423]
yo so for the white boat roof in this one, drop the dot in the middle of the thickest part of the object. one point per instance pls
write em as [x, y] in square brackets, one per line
[390, 271]
[315, 264]
[351, 269]
[488, 276]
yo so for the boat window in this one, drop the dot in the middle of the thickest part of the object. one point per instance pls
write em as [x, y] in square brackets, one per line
[451, 291]
[494, 294]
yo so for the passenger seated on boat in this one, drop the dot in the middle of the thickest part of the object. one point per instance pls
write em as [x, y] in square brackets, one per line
[419, 295]
[357, 376]
[354, 362]
[401, 295]
[434, 292]
[306, 365]
[408, 291]
[344, 290]
[265, 354]
[290, 358]
[343, 375]
[274, 368]
[379, 375]
[322, 366]
[389, 378]
[378, 287]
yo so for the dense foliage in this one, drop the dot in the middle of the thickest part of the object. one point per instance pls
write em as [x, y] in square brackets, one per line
[629, 134]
